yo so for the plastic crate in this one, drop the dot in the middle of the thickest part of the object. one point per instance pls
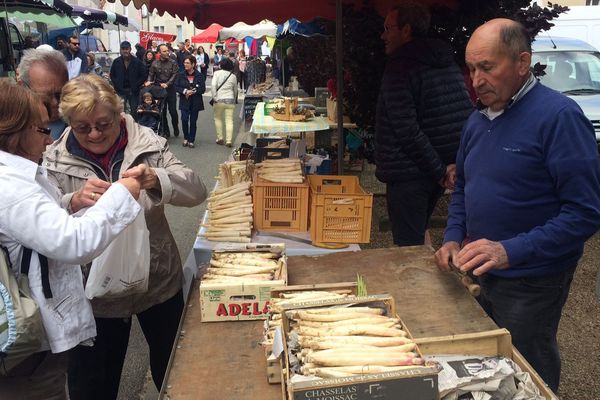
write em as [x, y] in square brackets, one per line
[280, 206]
[340, 210]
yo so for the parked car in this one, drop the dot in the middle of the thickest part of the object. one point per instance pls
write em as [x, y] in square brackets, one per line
[573, 68]
[11, 47]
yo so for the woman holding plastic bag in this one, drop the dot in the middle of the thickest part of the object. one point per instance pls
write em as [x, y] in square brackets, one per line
[31, 217]
[103, 143]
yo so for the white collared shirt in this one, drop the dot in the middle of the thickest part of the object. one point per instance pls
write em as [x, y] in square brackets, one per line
[31, 216]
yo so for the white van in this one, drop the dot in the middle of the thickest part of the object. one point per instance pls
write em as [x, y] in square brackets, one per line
[580, 22]
[572, 68]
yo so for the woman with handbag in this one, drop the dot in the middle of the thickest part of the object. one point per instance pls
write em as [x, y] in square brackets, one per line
[224, 98]
[33, 221]
[103, 142]
[190, 86]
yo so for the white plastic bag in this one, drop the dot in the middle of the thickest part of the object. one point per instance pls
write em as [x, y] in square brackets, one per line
[123, 268]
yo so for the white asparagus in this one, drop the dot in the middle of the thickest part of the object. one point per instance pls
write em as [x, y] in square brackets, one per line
[345, 357]
[358, 321]
[358, 369]
[342, 310]
[367, 330]
[256, 255]
[239, 272]
[367, 340]
[332, 317]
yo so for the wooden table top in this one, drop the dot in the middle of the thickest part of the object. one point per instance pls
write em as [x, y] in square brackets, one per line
[224, 360]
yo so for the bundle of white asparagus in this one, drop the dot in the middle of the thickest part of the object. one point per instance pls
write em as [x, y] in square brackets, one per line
[234, 172]
[243, 267]
[284, 170]
[289, 299]
[229, 214]
[342, 342]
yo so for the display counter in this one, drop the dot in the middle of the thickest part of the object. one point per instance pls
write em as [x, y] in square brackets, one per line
[263, 124]
[224, 360]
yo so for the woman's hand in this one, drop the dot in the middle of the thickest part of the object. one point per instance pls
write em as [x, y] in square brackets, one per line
[145, 175]
[89, 194]
[133, 185]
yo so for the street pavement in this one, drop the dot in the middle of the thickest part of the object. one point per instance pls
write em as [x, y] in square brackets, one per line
[204, 159]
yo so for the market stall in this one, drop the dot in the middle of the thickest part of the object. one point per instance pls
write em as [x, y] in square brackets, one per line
[223, 360]
[266, 124]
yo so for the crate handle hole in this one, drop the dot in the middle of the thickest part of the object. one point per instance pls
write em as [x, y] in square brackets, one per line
[281, 223]
[331, 182]
[243, 297]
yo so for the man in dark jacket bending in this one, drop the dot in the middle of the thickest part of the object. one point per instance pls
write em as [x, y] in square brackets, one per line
[421, 109]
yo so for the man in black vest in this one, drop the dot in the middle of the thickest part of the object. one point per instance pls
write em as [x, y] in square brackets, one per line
[128, 74]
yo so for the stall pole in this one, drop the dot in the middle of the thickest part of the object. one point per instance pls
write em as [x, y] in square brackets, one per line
[339, 61]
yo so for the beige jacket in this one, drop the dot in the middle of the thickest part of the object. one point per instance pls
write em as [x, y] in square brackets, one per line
[180, 186]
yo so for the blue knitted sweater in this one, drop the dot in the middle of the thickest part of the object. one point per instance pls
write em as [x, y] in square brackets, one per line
[530, 179]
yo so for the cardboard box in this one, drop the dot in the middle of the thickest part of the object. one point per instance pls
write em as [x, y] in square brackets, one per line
[488, 343]
[409, 384]
[241, 302]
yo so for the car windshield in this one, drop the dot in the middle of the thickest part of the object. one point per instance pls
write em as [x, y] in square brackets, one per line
[570, 72]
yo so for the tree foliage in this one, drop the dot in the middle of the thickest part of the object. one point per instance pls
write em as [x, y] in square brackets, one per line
[364, 57]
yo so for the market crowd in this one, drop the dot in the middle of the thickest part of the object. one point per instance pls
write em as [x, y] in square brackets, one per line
[82, 153]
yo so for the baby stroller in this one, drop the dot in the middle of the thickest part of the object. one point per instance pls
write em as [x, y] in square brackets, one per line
[149, 113]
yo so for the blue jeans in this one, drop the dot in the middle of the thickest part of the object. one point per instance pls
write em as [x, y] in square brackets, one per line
[189, 120]
[410, 205]
[530, 309]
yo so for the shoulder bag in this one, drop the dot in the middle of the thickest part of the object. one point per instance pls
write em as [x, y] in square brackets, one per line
[212, 101]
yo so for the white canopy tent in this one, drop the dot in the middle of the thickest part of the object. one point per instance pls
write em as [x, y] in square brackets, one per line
[241, 30]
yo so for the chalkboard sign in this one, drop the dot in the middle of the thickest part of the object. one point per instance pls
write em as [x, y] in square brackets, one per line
[250, 103]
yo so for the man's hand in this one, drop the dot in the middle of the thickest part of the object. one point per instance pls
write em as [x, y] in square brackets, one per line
[145, 175]
[481, 256]
[89, 194]
[147, 83]
[446, 253]
[163, 85]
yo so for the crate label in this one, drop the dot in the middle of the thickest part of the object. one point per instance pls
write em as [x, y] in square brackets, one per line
[214, 295]
[250, 309]
[406, 388]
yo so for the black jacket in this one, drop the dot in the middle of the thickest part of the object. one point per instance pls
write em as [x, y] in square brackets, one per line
[194, 102]
[136, 74]
[422, 105]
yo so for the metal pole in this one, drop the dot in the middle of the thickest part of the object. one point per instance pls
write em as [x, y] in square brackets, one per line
[339, 60]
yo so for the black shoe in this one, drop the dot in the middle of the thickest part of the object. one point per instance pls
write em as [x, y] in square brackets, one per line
[176, 132]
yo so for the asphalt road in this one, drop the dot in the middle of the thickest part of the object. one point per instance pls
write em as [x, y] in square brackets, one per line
[136, 382]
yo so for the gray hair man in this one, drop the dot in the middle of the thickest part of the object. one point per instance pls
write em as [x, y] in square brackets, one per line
[45, 73]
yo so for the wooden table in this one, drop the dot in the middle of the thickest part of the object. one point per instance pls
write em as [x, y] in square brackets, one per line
[224, 360]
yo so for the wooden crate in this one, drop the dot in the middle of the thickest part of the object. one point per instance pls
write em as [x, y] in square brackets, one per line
[240, 302]
[274, 364]
[280, 206]
[340, 210]
[400, 385]
[488, 343]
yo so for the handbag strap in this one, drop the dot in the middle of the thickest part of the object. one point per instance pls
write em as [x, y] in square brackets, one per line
[222, 83]
[25, 263]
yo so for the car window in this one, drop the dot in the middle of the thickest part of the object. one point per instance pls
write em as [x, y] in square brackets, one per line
[570, 70]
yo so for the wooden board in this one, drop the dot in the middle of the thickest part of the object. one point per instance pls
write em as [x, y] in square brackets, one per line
[223, 360]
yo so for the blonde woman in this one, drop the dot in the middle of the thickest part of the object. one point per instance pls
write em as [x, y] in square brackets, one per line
[224, 93]
[31, 217]
[104, 143]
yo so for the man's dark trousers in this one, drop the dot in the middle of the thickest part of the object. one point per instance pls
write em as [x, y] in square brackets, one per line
[133, 99]
[410, 205]
[530, 309]
[172, 106]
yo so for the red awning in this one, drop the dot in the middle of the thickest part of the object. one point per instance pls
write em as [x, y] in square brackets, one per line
[209, 35]
[227, 12]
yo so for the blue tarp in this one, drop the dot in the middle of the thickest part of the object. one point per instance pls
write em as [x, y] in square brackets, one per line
[294, 27]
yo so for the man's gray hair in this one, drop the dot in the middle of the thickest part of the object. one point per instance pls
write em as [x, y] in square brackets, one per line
[52, 60]
[515, 39]
[414, 14]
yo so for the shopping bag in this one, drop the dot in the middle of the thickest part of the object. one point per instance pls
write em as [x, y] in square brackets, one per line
[123, 267]
[21, 329]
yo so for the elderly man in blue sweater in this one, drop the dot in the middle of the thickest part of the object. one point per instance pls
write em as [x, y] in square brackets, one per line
[527, 194]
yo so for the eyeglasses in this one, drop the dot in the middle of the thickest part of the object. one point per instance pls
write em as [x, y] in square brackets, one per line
[86, 129]
[45, 131]
[75, 43]
[388, 28]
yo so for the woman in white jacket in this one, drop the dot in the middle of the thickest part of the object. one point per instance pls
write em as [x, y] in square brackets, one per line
[31, 217]
[224, 93]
